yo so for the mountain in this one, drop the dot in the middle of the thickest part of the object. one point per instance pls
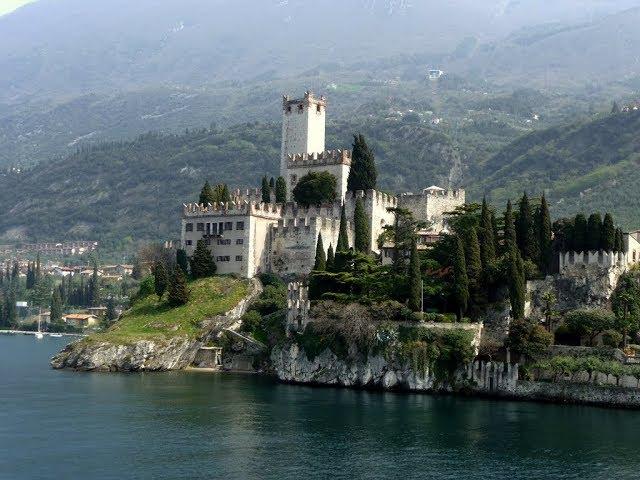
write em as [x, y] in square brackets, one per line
[586, 166]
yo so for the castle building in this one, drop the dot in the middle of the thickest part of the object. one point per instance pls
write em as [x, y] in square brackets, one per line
[248, 237]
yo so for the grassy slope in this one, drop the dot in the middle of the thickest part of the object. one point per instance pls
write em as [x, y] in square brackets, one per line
[150, 319]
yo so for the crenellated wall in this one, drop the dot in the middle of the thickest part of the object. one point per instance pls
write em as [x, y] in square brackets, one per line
[336, 162]
[431, 205]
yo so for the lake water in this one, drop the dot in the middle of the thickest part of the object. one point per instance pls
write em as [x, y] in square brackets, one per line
[65, 425]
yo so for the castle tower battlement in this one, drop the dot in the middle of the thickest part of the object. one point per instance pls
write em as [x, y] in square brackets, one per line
[243, 207]
[298, 306]
[328, 157]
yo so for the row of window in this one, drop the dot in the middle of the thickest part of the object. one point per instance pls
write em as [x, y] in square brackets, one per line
[227, 258]
[214, 228]
[222, 241]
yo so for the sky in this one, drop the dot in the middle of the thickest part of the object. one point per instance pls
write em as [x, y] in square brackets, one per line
[7, 6]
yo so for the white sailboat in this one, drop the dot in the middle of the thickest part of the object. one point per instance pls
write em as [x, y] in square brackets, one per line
[39, 334]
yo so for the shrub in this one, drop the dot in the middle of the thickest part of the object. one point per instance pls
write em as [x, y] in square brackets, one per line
[612, 338]
[250, 321]
[528, 338]
[589, 323]
[315, 188]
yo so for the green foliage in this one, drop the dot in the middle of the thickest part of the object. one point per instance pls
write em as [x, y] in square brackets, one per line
[315, 188]
[221, 193]
[272, 299]
[111, 315]
[544, 236]
[146, 288]
[182, 261]
[321, 259]
[517, 283]
[415, 280]
[342, 244]
[486, 237]
[331, 259]
[510, 239]
[594, 232]
[566, 365]
[250, 321]
[589, 323]
[362, 232]
[363, 174]
[161, 279]
[56, 307]
[580, 233]
[202, 264]
[281, 190]
[608, 240]
[526, 233]
[460, 279]
[206, 195]
[625, 303]
[178, 291]
[528, 338]
[266, 190]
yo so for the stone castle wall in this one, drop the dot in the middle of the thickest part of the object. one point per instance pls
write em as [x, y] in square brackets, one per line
[431, 205]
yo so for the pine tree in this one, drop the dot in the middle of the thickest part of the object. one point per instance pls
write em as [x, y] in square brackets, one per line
[343, 237]
[281, 190]
[544, 233]
[472, 260]
[363, 174]
[415, 279]
[460, 280]
[594, 232]
[182, 261]
[509, 228]
[202, 264]
[517, 286]
[580, 233]
[321, 259]
[487, 241]
[178, 292]
[331, 260]
[362, 232]
[608, 238]
[56, 307]
[266, 190]
[525, 231]
[206, 195]
[160, 279]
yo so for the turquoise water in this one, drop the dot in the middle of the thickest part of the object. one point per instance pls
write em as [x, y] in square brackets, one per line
[65, 425]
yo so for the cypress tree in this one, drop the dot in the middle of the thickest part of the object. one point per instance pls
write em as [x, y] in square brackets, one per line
[206, 194]
[517, 286]
[281, 190]
[266, 190]
[160, 279]
[415, 279]
[487, 245]
[202, 264]
[619, 242]
[182, 261]
[331, 259]
[496, 232]
[545, 240]
[343, 236]
[594, 232]
[321, 259]
[56, 307]
[525, 231]
[509, 228]
[362, 232]
[580, 233]
[38, 269]
[178, 292]
[221, 193]
[363, 174]
[93, 289]
[615, 109]
[460, 280]
[474, 267]
[111, 313]
[608, 237]
[272, 183]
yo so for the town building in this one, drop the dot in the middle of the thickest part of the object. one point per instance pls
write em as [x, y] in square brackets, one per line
[248, 237]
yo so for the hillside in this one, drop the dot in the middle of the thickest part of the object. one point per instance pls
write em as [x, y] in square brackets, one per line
[120, 192]
[590, 165]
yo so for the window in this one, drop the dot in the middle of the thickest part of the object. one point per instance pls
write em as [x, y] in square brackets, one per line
[188, 243]
[200, 227]
[188, 227]
[240, 241]
[239, 225]
[318, 108]
[228, 226]
[223, 258]
[289, 108]
[224, 241]
[207, 241]
[238, 258]
[300, 108]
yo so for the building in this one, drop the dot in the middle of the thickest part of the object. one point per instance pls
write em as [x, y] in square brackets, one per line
[248, 237]
[80, 320]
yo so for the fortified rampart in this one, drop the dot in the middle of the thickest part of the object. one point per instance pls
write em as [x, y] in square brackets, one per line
[298, 306]
[432, 204]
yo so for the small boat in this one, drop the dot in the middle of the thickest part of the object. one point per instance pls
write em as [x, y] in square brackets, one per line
[55, 335]
[39, 334]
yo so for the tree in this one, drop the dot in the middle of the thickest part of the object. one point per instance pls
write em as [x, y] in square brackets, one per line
[56, 307]
[363, 174]
[321, 260]
[136, 271]
[580, 233]
[615, 109]
[362, 232]
[402, 233]
[594, 232]
[619, 243]
[111, 314]
[460, 280]
[589, 322]
[528, 338]
[266, 190]
[160, 279]
[206, 195]
[625, 303]
[343, 236]
[182, 261]
[474, 267]
[272, 183]
[221, 193]
[517, 285]
[485, 234]
[202, 264]
[509, 228]
[415, 279]
[38, 269]
[315, 188]
[331, 260]
[608, 239]
[281, 190]
[94, 287]
[525, 232]
[178, 292]
[544, 236]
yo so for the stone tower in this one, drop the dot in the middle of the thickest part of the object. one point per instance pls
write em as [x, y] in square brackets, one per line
[303, 125]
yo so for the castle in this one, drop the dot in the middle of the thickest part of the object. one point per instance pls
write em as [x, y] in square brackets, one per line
[248, 237]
